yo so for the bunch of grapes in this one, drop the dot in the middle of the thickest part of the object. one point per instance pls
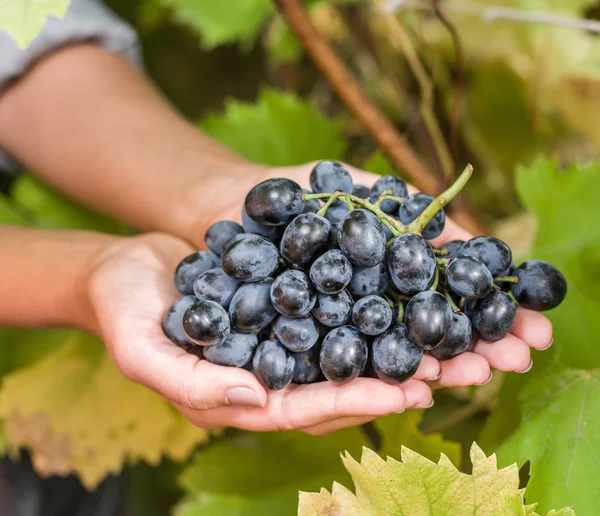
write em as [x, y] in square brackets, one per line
[342, 282]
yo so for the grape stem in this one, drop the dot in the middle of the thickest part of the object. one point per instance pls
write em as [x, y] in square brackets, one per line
[440, 201]
[400, 317]
[443, 261]
[441, 252]
[508, 279]
[455, 308]
[436, 280]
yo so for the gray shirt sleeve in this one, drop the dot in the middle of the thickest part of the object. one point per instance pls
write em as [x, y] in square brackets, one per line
[86, 20]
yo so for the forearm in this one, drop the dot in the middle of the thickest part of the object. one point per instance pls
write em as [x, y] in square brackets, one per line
[40, 276]
[92, 126]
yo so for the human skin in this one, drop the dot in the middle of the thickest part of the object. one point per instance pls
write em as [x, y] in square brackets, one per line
[92, 126]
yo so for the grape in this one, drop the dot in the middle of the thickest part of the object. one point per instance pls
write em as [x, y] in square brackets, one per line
[372, 315]
[171, 323]
[296, 334]
[306, 237]
[215, 285]
[333, 310]
[469, 277]
[541, 286]
[344, 354]
[361, 238]
[274, 202]
[458, 339]
[206, 323]
[395, 358]
[368, 281]
[220, 234]
[452, 247]
[306, 366]
[331, 272]
[235, 351]
[273, 365]
[251, 309]
[292, 294]
[273, 233]
[393, 183]
[251, 258]
[493, 315]
[494, 253]
[311, 206]
[191, 267]
[413, 206]
[330, 176]
[411, 264]
[427, 317]
[336, 212]
[361, 191]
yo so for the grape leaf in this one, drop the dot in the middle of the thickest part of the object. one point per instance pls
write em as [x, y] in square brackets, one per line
[260, 482]
[279, 129]
[417, 486]
[77, 414]
[24, 19]
[569, 238]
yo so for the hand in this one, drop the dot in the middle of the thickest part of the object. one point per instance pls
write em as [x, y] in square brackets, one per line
[129, 287]
[512, 353]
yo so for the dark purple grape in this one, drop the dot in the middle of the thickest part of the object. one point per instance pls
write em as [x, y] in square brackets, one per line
[411, 264]
[469, 277]
[330, 176]
[220, 234]
[458, 339]
[252, 258]
[235, 351]
[251, 309]
[395, 358]
[273, 365]
[361, 191]
[367, 281]
[215, 285]
[311, 206]
[494, 253]
[307, 368]
[493, 315]
[372, 315]
[344, 354]
[393, 183]
[361, 238]
[336, 212]
[331, 272]
[273, 233]
[333, 310]
[296, 334]
[171, 323]
[541, 286]
[452, 247]
[306, 237]
[292, 294]
[191, 267]
[274, 202]
[206, 323]
[413, 206]
[427, 317]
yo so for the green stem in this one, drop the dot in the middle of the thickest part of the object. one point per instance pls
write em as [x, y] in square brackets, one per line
[308, 197]
[508, 279]
[436, 280]
[400, 317]
[440, 201]
[396, 296]
[452, 303]
[329, 202]
[441, 252]
[394, 231]
[390, 198]
[443, 261]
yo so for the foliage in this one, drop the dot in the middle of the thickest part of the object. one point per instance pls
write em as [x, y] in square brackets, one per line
[418, 486]
[23, 20]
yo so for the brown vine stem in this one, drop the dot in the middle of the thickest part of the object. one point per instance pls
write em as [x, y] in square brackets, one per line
[399, 38]
[351, 93]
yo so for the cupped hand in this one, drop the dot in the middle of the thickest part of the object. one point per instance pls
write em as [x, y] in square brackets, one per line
[130, 288]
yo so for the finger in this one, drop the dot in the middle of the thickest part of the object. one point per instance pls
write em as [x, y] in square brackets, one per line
[337, 424]
[464, 370]
[533, 328]
[417, 394]
[507, 354]
[429, 369]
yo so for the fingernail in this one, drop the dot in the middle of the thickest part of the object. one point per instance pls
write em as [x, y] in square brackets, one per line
[243, 397]
[424, 406]
[488, 380]
[528, 367]
[435, 377]
[543, 349]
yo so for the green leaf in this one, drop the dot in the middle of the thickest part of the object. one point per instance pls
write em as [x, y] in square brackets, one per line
[568, 236]
[378, 163]
[223, 21]
[559, 435]
[279, 129]
[417, 486]
[24, 19]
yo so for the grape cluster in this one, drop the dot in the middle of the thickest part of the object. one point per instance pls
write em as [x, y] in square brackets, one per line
[342, 282]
